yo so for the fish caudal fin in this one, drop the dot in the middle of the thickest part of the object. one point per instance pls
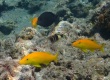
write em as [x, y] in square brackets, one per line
[56, 58]
[34, 22]
[102, 47]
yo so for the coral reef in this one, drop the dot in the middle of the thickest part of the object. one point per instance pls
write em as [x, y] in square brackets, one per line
[101, 21]
[79, 10]
[83, 19]
[72, 72]
[10, 70]
[72, 63]
[31, 6]
[27, 33]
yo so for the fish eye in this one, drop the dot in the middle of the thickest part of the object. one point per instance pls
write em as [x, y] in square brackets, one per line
[27, 59]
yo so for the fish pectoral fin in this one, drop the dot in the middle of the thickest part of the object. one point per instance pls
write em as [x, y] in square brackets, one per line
[85, 50]
[37, 65]
[92, 50]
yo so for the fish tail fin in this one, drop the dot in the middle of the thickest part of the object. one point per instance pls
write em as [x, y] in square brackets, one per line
[56, 58]
[102, 47]
[34, 22]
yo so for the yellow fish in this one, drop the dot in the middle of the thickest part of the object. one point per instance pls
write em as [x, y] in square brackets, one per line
[34, 22]
[87, 44]
[38, 58]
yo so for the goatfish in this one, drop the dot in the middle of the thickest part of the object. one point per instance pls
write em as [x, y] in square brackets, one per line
[88, 44]
[38, 59]
[45, 19]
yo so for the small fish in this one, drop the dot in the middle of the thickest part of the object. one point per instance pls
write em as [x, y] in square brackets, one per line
[55, 37]
[45, 19]
[38, 58]
[87, 44]
[34, 21]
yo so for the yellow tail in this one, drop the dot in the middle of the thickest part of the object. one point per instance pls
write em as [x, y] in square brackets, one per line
[56, 58]
[34, 22]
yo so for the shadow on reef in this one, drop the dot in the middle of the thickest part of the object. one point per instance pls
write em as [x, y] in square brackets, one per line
[101, 22]
[7, 27]
[94, 2]
[79, 11]
[31, 6]
[104, 32]
[5, 7]
[5, 30]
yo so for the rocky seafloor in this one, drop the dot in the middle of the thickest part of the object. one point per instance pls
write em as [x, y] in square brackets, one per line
[78, 19]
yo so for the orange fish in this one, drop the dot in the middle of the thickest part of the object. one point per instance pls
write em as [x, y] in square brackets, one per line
[38, 58]
[87, 44]
[34, 22]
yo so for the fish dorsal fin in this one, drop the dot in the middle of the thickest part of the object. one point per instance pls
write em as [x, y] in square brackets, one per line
[93, 40]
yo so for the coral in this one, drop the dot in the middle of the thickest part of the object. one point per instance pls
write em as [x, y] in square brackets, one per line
[101, 21]
[72, 70]
[65, 14]
[94, 2]
[70, 9]
[9, 47]
[79, 10]
[100, 17]
[24, 46]
[10, 70]
[7, 68]
[27, 33]
[62, 28]
[73, 64]
[9, 43]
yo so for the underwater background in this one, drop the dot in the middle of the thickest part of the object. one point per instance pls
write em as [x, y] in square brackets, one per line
[76, 19]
